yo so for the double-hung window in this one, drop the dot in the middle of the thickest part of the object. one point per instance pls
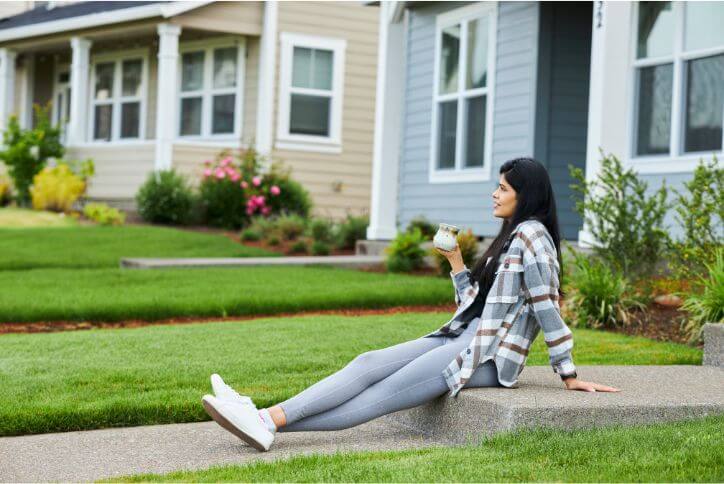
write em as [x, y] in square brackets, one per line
[463, 87]
[678, 71]
[310, 93]
[211, 89]
[118, 97]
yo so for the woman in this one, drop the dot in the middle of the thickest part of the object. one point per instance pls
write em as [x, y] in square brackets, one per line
[501, 308]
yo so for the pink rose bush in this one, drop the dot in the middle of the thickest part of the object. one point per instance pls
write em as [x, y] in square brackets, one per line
[231, 192]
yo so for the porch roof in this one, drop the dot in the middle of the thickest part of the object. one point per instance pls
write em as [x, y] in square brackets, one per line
[43, 14]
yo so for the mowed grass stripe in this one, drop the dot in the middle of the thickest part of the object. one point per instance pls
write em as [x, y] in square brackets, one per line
[92, 379]
[122, 294]
[98, 246]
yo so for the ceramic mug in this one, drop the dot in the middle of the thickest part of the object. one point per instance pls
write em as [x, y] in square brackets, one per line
[446, 237]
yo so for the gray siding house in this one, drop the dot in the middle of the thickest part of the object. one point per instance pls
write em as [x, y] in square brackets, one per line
[465, 86]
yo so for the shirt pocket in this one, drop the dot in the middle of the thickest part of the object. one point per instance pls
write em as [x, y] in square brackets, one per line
[507, 284]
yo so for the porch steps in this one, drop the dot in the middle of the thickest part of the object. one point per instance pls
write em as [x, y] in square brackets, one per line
[649, 394]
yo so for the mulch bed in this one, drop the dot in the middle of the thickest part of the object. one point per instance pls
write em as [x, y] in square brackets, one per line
[658, 323]
[56, 326]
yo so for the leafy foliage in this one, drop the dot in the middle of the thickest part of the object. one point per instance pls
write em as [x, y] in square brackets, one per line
[627, 223]
[165, 198]
[468, 244]
[708, 305]
[104, 214]
[405, 254]
[58, 187]
[26, 151]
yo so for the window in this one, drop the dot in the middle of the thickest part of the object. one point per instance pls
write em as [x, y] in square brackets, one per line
[211, 88]
[679, 79]
[118, 97]
[310, 93]
[462, 94]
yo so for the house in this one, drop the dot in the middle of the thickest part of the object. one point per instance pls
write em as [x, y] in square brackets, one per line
[465, 86]
[142, 86]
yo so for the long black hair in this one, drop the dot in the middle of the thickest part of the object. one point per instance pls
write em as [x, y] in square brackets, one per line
[535, 200]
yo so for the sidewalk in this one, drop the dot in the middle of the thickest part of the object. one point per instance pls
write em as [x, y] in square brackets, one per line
[649, 394]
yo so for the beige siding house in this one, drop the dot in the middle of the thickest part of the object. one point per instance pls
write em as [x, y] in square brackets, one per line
[143, 86]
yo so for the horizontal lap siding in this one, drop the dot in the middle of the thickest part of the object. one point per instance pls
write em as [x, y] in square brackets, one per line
[468, 205]
[353, 166]
[232, 17]
[119, 171]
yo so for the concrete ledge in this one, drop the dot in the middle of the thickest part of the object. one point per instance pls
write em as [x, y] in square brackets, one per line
[334, 260]
[649, 394]
[713, 334]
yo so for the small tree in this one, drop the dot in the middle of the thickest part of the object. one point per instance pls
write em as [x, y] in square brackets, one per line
[700, 212]
[627, 223]
[26, 151]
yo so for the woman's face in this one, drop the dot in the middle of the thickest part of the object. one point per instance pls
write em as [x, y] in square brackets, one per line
[504, 199]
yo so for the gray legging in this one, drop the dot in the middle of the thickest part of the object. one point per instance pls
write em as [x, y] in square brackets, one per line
[382, 381]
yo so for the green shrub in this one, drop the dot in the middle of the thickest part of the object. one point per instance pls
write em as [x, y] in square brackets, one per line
[708, 305]
[292, 198]
[262, 225]
[273, 240]
[352, 229]
[404, 254]
[25, 151]
[103, 214]
[601, 296]
[320, 248]
[250, 234]
[626, 222]
[321, 229]
[300, 246]
[468, 248]
[290, 226]
[427, 228]
[165, 198]
[700, 211]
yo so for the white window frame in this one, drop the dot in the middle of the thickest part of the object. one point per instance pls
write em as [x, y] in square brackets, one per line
[677, 160]
[289, 141]
[117, 59]
[208, 92]
[463, 16]
[60, 67]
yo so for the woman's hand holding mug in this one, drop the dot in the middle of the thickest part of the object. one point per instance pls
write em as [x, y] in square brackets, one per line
[446, 235]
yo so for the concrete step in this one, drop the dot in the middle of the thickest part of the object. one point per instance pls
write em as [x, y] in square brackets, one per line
[353, 261]
[649, 394]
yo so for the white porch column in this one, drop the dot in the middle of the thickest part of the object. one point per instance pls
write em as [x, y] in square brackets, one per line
[26, 93]
[7, 85]
[388, 123]
[79, 87]
[265, 99]
[166, 101]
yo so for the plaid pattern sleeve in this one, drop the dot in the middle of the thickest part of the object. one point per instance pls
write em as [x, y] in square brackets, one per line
[540, 278]
[461, 281]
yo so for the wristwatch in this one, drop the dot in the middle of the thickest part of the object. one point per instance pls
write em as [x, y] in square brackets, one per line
[571, 375]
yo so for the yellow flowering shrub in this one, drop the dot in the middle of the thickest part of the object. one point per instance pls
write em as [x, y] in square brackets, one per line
[56, 188]
[4, 191]
[104, 214]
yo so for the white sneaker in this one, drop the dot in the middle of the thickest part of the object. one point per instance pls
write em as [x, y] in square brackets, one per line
[241, 419]
[225, 392]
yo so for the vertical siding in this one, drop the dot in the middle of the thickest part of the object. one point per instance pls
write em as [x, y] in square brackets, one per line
[358, 24]
[468, 205]
[562, 103]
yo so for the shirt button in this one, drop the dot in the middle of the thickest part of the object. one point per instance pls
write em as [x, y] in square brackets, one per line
[507, 265]
[468, 350]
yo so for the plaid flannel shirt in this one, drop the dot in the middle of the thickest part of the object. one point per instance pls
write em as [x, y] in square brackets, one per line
[522, 300]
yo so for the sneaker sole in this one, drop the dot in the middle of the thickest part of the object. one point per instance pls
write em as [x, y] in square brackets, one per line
[219, 418]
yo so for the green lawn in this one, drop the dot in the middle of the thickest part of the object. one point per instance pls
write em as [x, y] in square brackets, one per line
[157, 374]
[103, 247]
[686, 451]
[25, 217]
[121, 294]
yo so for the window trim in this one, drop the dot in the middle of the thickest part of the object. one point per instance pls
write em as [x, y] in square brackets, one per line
[322, 144]
[463, 16]
[117, 59]
[676, 160]
[208, 46]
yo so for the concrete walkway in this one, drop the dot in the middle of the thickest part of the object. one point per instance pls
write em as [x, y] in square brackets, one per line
[353, 261]
[108, 453]
[650, 394]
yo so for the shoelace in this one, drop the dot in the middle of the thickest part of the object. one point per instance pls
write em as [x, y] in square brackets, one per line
[244, 400]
